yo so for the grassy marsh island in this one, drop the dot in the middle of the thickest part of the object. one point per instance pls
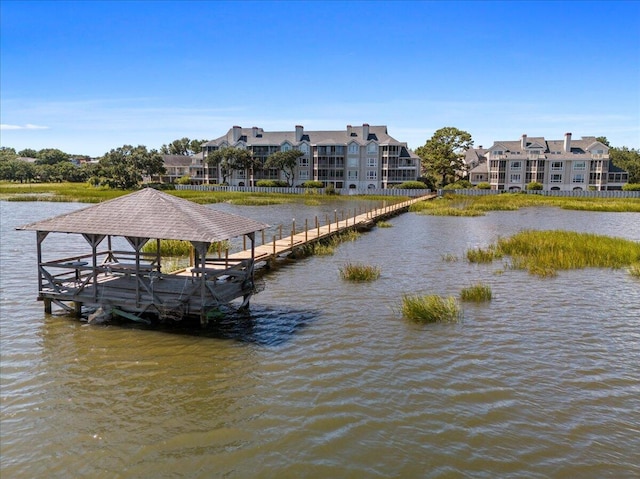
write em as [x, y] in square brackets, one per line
[359, 273]
[477, 293]
[543, 253]
[431, 308]
[462, 205]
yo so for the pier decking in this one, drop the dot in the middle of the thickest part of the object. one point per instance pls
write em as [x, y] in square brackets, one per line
[306, 234]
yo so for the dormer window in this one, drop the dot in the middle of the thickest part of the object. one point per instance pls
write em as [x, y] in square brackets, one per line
[372, 148]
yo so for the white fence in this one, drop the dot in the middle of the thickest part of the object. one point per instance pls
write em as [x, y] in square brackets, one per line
[571, 194]
[303, 191]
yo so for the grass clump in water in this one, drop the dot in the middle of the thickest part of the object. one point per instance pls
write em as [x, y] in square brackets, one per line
[543, 253]
[449, 258]
[477, 292]
[634, 270]
[431, 308]
[479, 255]
[384, 224]
[359, 272]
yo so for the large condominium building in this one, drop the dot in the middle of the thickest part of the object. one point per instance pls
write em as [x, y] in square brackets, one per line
[565, 165]
[357, 157]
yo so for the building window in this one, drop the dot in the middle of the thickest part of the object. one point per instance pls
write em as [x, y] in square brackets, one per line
[285, 147]
[240, 173]
[515, 178]
[372, 148]
[372, 162]
[304, 174]
[372, 175]
[579, 165]
[578, 178]
[352, 175]
[516, 165]
[556, 178]
[304, 148]
[352, 162]
[303, 161]
[557, 166]
[354, 148]
[497, 153]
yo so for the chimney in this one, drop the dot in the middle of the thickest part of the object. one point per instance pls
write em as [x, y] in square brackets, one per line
[254, 131]
[237, 132]
[349, 130]
[365, 131]
[523, 142]
[567, 142]
[299, 132]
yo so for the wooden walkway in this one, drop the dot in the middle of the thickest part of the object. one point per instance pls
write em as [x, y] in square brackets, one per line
[309, 234]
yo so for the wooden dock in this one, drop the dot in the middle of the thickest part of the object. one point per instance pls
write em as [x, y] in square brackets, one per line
[307, 234]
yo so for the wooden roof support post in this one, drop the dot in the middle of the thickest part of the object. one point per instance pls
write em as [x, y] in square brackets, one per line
[201, 262]
[94, 241]
[40, 236]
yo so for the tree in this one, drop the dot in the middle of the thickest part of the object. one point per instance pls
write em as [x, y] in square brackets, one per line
[285, 161]
[627, 159]
[50, 156]
[124, 167]
[28, 153]
[183, 146]
[229, 159]
[443, 153]
[603, 140]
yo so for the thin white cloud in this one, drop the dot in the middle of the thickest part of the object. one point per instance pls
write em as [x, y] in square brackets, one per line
[28, 126]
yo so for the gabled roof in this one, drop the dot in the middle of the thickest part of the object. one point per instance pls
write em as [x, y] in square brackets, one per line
[150, 213]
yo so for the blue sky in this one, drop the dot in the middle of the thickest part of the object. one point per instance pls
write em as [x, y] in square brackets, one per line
[89, 76]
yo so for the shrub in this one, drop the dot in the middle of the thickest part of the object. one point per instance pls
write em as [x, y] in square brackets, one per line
[184, 180]
[271, 184]
[477, 292]
[312, 184]
[631, 187]
[483, 186]
[411, 185]
[330, 190]
[431, 309]
[459, 185]
[359, 272]
[534, 186]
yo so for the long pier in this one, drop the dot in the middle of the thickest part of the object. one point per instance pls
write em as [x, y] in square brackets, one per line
[307, 234]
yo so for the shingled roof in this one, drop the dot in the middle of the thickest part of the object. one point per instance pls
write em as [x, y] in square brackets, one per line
[150, 213]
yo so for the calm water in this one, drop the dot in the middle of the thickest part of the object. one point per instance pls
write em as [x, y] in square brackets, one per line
[326, 379]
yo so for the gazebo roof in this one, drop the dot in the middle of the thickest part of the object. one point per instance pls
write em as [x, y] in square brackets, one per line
[150, 213]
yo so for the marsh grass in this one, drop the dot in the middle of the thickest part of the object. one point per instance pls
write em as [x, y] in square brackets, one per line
[328, 247]
[384, 224]
[543, 253]
[477, 293]
[634, 270]
[57, 192]
[480, 255]
[431, 309]
[178, 248]
[358, 272]
[449, 258]
[461, 205]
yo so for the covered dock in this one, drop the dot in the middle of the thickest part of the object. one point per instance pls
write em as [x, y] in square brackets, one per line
[132, 282]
